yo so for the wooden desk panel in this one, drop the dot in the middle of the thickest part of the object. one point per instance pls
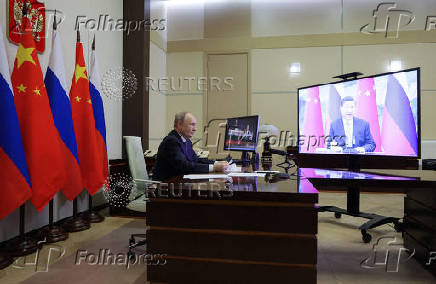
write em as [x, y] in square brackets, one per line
[240, 239]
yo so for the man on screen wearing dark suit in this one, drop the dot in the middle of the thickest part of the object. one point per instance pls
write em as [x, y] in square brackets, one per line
[175, 155]
[350, 132]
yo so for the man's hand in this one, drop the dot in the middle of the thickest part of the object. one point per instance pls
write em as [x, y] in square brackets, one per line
[220, 166]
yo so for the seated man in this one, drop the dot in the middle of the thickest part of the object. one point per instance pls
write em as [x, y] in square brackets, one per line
[175, 155]
[350, 132]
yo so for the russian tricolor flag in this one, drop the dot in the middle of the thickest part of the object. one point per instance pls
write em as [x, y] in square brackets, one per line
[97, 106]
[15, 187]
[61, 109]
[398, 134]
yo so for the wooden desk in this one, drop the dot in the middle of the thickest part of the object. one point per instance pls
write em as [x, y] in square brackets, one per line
[253, 232]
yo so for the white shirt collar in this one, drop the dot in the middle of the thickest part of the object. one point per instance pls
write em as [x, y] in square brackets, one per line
[181, 136]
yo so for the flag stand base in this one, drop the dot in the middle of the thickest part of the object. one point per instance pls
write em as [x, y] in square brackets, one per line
[22, 245]
[52, 233]
[5, 261]
[91, 215]
[75, 223]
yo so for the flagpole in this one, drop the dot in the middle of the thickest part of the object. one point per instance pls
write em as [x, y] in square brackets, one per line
[76, 223]
[91, 215]
[22, 245]
[52, 233]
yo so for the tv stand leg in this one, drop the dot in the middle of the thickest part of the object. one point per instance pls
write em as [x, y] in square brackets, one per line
[353, 200]
[353, 209]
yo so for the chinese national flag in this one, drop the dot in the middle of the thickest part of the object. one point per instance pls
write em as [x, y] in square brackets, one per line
[40, 138]
[84, 126]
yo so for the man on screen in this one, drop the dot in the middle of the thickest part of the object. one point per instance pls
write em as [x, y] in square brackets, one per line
[350, 134]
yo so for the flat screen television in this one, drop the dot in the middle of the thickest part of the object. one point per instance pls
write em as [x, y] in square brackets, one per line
[241, 133]
[377, 115]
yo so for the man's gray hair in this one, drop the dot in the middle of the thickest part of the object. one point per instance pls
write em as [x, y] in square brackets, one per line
[180, 116]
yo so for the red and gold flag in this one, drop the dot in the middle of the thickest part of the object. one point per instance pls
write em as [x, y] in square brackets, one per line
[40, 137]
[84, 126]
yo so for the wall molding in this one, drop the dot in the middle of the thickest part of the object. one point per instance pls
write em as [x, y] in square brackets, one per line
[298, 41]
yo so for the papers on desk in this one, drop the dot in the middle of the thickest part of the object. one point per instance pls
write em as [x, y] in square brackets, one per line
[247, 174]
[204, 176]
[214, 176]
[232, 168]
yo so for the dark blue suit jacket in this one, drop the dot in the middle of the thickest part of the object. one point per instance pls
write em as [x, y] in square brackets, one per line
[174, 157]
[361, 134]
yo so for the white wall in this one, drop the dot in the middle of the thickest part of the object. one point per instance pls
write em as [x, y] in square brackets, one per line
[109, 47]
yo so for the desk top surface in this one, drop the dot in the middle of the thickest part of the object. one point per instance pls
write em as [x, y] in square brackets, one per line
[302, 185]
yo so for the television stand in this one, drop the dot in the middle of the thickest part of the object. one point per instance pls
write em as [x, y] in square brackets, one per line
[353, 207]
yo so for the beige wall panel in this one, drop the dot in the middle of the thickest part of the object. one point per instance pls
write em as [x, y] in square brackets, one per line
[372, 59]
[189, 64]
[185, 21]
[225, 101]
[279, 110]
[227, 18]
[185, 64]
[428, 116]
[284, 17]
[270, 67]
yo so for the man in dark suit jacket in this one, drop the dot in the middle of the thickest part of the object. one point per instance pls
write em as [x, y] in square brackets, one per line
[350, 132]
[175, 155]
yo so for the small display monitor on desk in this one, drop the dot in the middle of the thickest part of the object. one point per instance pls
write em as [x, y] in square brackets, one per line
[241, 133]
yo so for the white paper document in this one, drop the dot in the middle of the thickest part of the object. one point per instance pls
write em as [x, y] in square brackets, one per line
[247, 174]
[205, 176]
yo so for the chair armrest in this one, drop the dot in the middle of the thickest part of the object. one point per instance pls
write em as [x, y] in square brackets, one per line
[147, 181]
